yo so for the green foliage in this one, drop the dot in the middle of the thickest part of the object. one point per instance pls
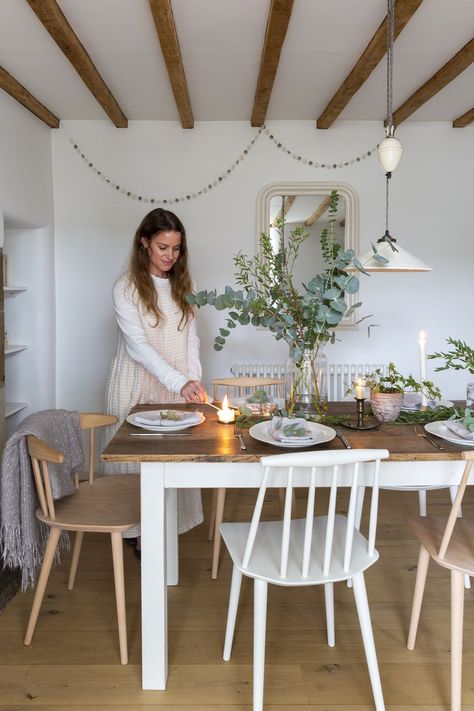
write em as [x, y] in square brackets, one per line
[268, 297]
[395, 382]
[467, 419]
[460, 357]
[259, 396]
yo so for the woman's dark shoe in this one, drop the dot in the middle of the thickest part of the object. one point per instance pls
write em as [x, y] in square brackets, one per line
[130, 541]
[138, 553]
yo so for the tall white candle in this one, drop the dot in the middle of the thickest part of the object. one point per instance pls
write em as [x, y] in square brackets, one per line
[422, 349]
[360, 389]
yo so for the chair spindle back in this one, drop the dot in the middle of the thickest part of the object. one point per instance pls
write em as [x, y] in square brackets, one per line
[333, 470]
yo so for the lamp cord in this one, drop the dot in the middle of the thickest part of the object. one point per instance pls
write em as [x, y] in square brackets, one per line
[390, 26]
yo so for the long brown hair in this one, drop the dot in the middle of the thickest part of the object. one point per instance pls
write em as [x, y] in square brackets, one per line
[156, 221]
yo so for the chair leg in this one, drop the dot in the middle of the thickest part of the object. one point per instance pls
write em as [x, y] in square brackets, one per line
[457, 613]
[360, 594]
[217, 534]
[422, 501]
[212, 519]
[259, 633]
[79, 537]
[232, 612]
[53, 539]
[117, 555]
[453, 490]
[421, 573]
[329, 600]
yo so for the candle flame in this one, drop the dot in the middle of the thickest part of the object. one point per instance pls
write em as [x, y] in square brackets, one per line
[225, 403]
[361, 382]
[422, 335]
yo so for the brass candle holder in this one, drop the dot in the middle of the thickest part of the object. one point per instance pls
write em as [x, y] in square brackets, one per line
[362, 422]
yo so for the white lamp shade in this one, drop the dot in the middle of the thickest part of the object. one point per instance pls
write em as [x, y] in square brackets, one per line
[400, 261]
[390, 152]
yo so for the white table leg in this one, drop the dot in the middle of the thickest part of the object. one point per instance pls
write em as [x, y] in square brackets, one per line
[172, 556]
[154, 592]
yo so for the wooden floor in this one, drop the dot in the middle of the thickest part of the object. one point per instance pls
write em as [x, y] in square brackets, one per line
[73, 662]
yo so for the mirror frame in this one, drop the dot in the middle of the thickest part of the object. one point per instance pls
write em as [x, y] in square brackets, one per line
[351, 233]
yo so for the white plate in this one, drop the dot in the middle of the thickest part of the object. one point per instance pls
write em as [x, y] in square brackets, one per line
[322, 433]
[162, 428]
[440, 430]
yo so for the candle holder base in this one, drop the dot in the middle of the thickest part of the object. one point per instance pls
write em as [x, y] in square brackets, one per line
[369, 423]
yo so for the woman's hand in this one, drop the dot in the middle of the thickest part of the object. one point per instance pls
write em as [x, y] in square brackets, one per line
[194, 391]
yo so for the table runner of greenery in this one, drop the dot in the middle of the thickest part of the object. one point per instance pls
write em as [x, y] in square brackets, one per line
[414, 417]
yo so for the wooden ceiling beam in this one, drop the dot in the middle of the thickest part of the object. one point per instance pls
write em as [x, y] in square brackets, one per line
[320, 210]
[449, 71]
[369, 59]
[166, 29]
[23, 96]
[52, 18]
[464, 120]
[275, 33]
[287, 203]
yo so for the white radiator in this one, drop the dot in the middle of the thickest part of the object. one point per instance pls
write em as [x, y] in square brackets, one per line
[340, 375]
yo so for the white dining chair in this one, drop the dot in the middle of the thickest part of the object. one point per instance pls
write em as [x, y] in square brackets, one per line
[450, 543]
[315, 550]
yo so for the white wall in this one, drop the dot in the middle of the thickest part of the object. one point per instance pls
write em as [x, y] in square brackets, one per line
[25, 167]
[430, 214]
[26, 200]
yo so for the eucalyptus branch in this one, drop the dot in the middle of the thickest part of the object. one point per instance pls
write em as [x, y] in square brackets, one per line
[267, 295]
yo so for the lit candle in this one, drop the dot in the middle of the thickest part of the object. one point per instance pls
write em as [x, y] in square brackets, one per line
[422, 349]
[360, 389]
[226, 415]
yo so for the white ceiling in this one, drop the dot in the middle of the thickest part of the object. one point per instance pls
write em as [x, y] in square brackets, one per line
[221, 43]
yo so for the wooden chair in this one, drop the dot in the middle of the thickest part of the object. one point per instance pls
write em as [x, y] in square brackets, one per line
[111, 505]
[317, 550]
[244, 384]
[450, 544]
[241, 385]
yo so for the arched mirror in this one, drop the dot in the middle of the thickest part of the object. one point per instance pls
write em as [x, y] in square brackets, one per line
[306, 205]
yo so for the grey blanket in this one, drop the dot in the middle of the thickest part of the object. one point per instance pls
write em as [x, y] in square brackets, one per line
[22, 537]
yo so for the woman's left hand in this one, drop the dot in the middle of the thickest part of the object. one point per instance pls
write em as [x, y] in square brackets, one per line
[194, 391]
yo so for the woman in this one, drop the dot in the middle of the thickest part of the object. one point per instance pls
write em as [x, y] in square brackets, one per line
[157, 359]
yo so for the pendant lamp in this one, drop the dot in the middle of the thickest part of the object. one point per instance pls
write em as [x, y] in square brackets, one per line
[386, 255]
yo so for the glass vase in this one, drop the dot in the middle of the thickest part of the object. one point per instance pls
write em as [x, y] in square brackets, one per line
[470, 395]
[306, 383]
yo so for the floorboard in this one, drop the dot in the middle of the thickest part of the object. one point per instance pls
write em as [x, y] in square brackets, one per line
[73, 662]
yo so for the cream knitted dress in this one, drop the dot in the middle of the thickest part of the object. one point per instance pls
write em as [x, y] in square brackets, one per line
[130, 383]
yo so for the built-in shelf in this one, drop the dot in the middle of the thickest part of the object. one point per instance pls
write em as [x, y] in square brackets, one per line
[11, 408]
[14, 349]
[14, 290]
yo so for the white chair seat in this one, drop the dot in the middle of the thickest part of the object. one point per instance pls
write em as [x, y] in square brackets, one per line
[265, 560]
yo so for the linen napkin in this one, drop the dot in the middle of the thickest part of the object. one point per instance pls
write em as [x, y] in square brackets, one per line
[290, 430]
[168, 418]
[459, 429]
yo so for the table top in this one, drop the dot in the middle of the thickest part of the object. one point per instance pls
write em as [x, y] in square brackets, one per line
[215, 442]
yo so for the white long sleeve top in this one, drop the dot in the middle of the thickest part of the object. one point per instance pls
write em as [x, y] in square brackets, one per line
[138, 345]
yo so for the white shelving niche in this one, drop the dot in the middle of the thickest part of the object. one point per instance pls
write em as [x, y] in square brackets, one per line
[11, 291]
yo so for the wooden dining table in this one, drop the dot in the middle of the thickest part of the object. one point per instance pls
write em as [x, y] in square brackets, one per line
[210, 456]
